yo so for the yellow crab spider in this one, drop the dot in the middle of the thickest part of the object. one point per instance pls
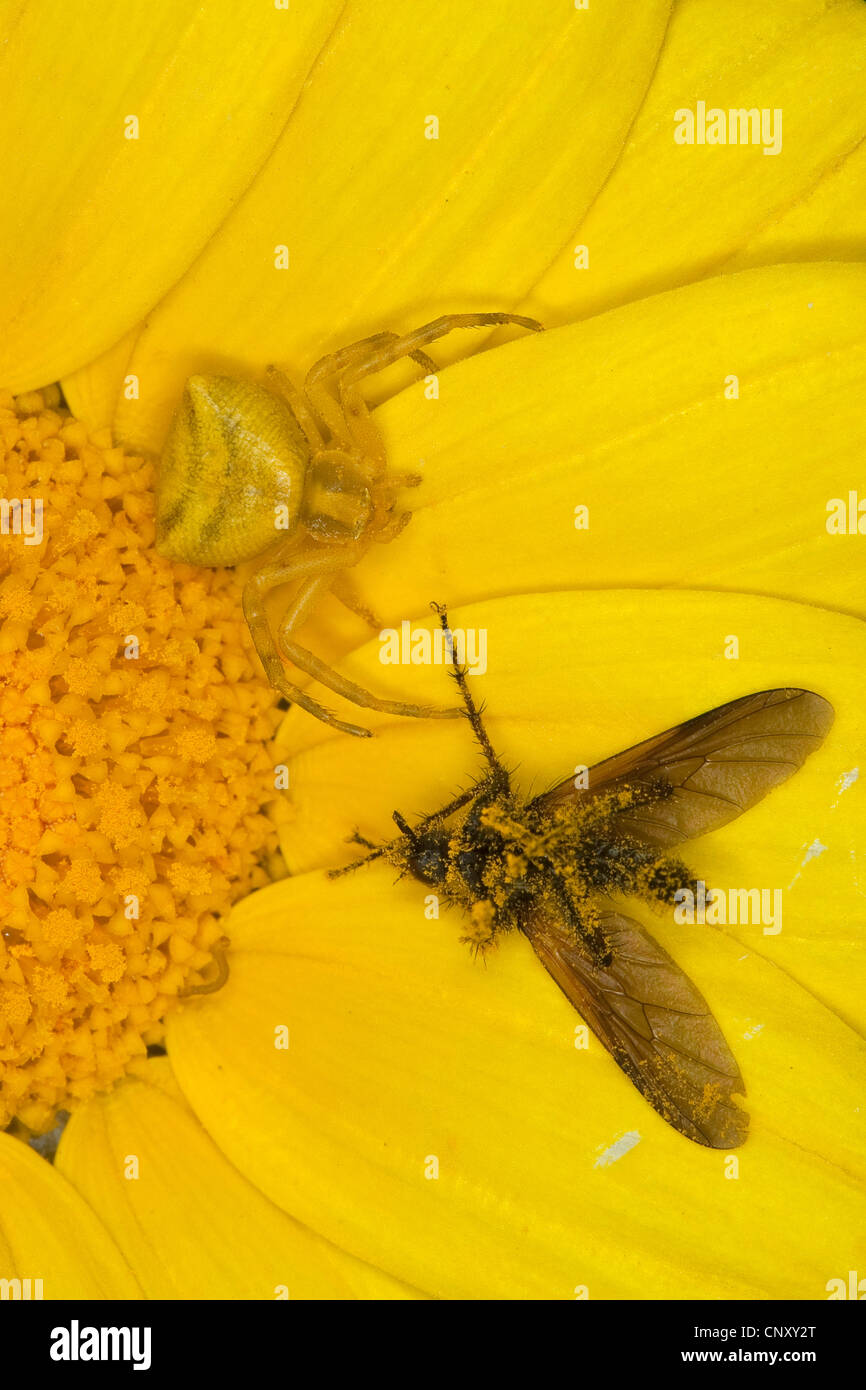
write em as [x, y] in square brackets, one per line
[239, 455]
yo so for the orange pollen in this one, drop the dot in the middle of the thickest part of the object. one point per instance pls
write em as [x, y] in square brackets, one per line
[135, 778]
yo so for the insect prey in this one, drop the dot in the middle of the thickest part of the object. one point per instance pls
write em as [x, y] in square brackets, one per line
[553, 868]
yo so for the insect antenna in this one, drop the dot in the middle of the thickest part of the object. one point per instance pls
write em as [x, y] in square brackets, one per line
[356, 863]
[409, 832]
[473, 713]
[495, 780]
[356, 838]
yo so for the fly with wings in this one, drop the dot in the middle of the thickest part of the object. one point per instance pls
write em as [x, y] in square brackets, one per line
[549, 867]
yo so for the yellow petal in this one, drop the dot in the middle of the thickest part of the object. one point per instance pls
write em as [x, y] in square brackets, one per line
[403, 1051]
[386, 227]
[575, 677]
[629, 415]
[96, 226]
[93, 391]
[827, 223]
[438, 1119]
[48, 1233]
[671, 213]
[177, 1213]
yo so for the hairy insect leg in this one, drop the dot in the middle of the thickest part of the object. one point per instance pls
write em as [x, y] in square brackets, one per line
[403, 826]
[462, 799]
[310, 592]
[473, 713]
[377, 853]
[586, 925]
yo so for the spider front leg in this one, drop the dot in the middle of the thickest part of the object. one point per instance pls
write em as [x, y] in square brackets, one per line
[312, 589]
[381, 354]
[374, 354]
[350, 422]
[323, 402]
[285, 387]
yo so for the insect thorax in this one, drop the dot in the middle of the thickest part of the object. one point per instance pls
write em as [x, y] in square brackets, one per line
[507, 858]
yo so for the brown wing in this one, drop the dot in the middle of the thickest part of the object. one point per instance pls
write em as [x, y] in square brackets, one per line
[718, 764]
[655, 1024]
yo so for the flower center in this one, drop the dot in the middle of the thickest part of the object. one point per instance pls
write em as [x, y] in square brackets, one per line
[134, 720]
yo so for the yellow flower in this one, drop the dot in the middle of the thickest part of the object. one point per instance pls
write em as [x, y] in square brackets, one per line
[522, 158]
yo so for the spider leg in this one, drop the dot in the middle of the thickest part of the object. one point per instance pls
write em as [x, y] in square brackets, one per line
[343, 590]
[374, 354]
[349, 420]
[381, 355]
[255, 591]
[430, 367]
[336, 362]
[285, 387]
[355, 408]
[322, 400]
[310, 592]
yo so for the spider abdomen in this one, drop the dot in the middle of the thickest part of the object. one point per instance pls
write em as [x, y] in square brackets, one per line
[232, 475]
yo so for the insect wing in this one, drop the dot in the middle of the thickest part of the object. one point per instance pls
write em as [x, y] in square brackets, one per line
[655, 1024]
[718, 765]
